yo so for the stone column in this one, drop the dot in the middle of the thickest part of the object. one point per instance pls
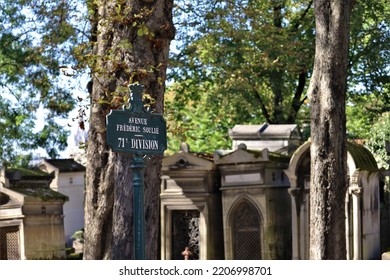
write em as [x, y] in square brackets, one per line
[305, 221]
[347, 241]
[296, 201]
[356, 191]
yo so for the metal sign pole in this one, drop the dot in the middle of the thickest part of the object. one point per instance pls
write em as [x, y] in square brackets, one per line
[136, 131]
[138, 166]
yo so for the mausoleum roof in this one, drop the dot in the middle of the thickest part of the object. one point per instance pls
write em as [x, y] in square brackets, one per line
[262, 131]
[44, 194]
[362, 157]
[359, 158]
[242, 155]
[17, 178]
[24, 173]
[66, 165]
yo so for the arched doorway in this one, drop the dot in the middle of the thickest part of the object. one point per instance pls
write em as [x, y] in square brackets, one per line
[246, 226]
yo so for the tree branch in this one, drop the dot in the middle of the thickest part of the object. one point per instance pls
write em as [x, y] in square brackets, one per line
[296, 101]
[298, 23]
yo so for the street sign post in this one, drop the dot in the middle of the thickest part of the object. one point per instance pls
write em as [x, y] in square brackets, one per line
[134, 130]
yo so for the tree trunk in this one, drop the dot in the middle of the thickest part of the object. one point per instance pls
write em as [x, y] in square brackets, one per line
[132, 45]
[328, 130]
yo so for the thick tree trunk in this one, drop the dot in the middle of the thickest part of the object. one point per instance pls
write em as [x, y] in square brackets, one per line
[328, 131]
[132, 44]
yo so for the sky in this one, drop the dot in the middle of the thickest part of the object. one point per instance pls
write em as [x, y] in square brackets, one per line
[71, 124]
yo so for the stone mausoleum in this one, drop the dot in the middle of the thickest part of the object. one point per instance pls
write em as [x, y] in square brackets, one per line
[252, 202]
[68, 180]
[233, 204]
[31, 216]
[364, 204]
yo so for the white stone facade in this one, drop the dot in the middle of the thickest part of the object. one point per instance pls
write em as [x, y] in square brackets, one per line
[69, 180]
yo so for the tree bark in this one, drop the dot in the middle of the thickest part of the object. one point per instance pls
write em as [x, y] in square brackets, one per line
[327, 94]
[132, 45]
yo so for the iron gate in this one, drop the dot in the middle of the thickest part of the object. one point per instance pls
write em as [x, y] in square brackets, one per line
[185, 233]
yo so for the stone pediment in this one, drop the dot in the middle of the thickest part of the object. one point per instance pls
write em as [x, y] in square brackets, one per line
[10, 198]
[188, 161]
[10, 204]
[241, 155]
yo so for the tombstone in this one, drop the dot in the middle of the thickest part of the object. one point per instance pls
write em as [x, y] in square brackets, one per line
[190, 207]
[362, 203]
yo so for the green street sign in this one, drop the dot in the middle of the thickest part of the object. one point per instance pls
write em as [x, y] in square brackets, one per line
[138, 132]
[135, 130]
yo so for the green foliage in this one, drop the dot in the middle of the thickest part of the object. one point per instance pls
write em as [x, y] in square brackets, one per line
[238, 62]
[257, 57]
[369, 50]
[78, 235]
[203, 123]
[36, 41]
[369, 76]
[363, 113]
[379, 134]
[259, 50]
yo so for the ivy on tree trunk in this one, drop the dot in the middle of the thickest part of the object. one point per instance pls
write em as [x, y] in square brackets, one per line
[131, 44]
